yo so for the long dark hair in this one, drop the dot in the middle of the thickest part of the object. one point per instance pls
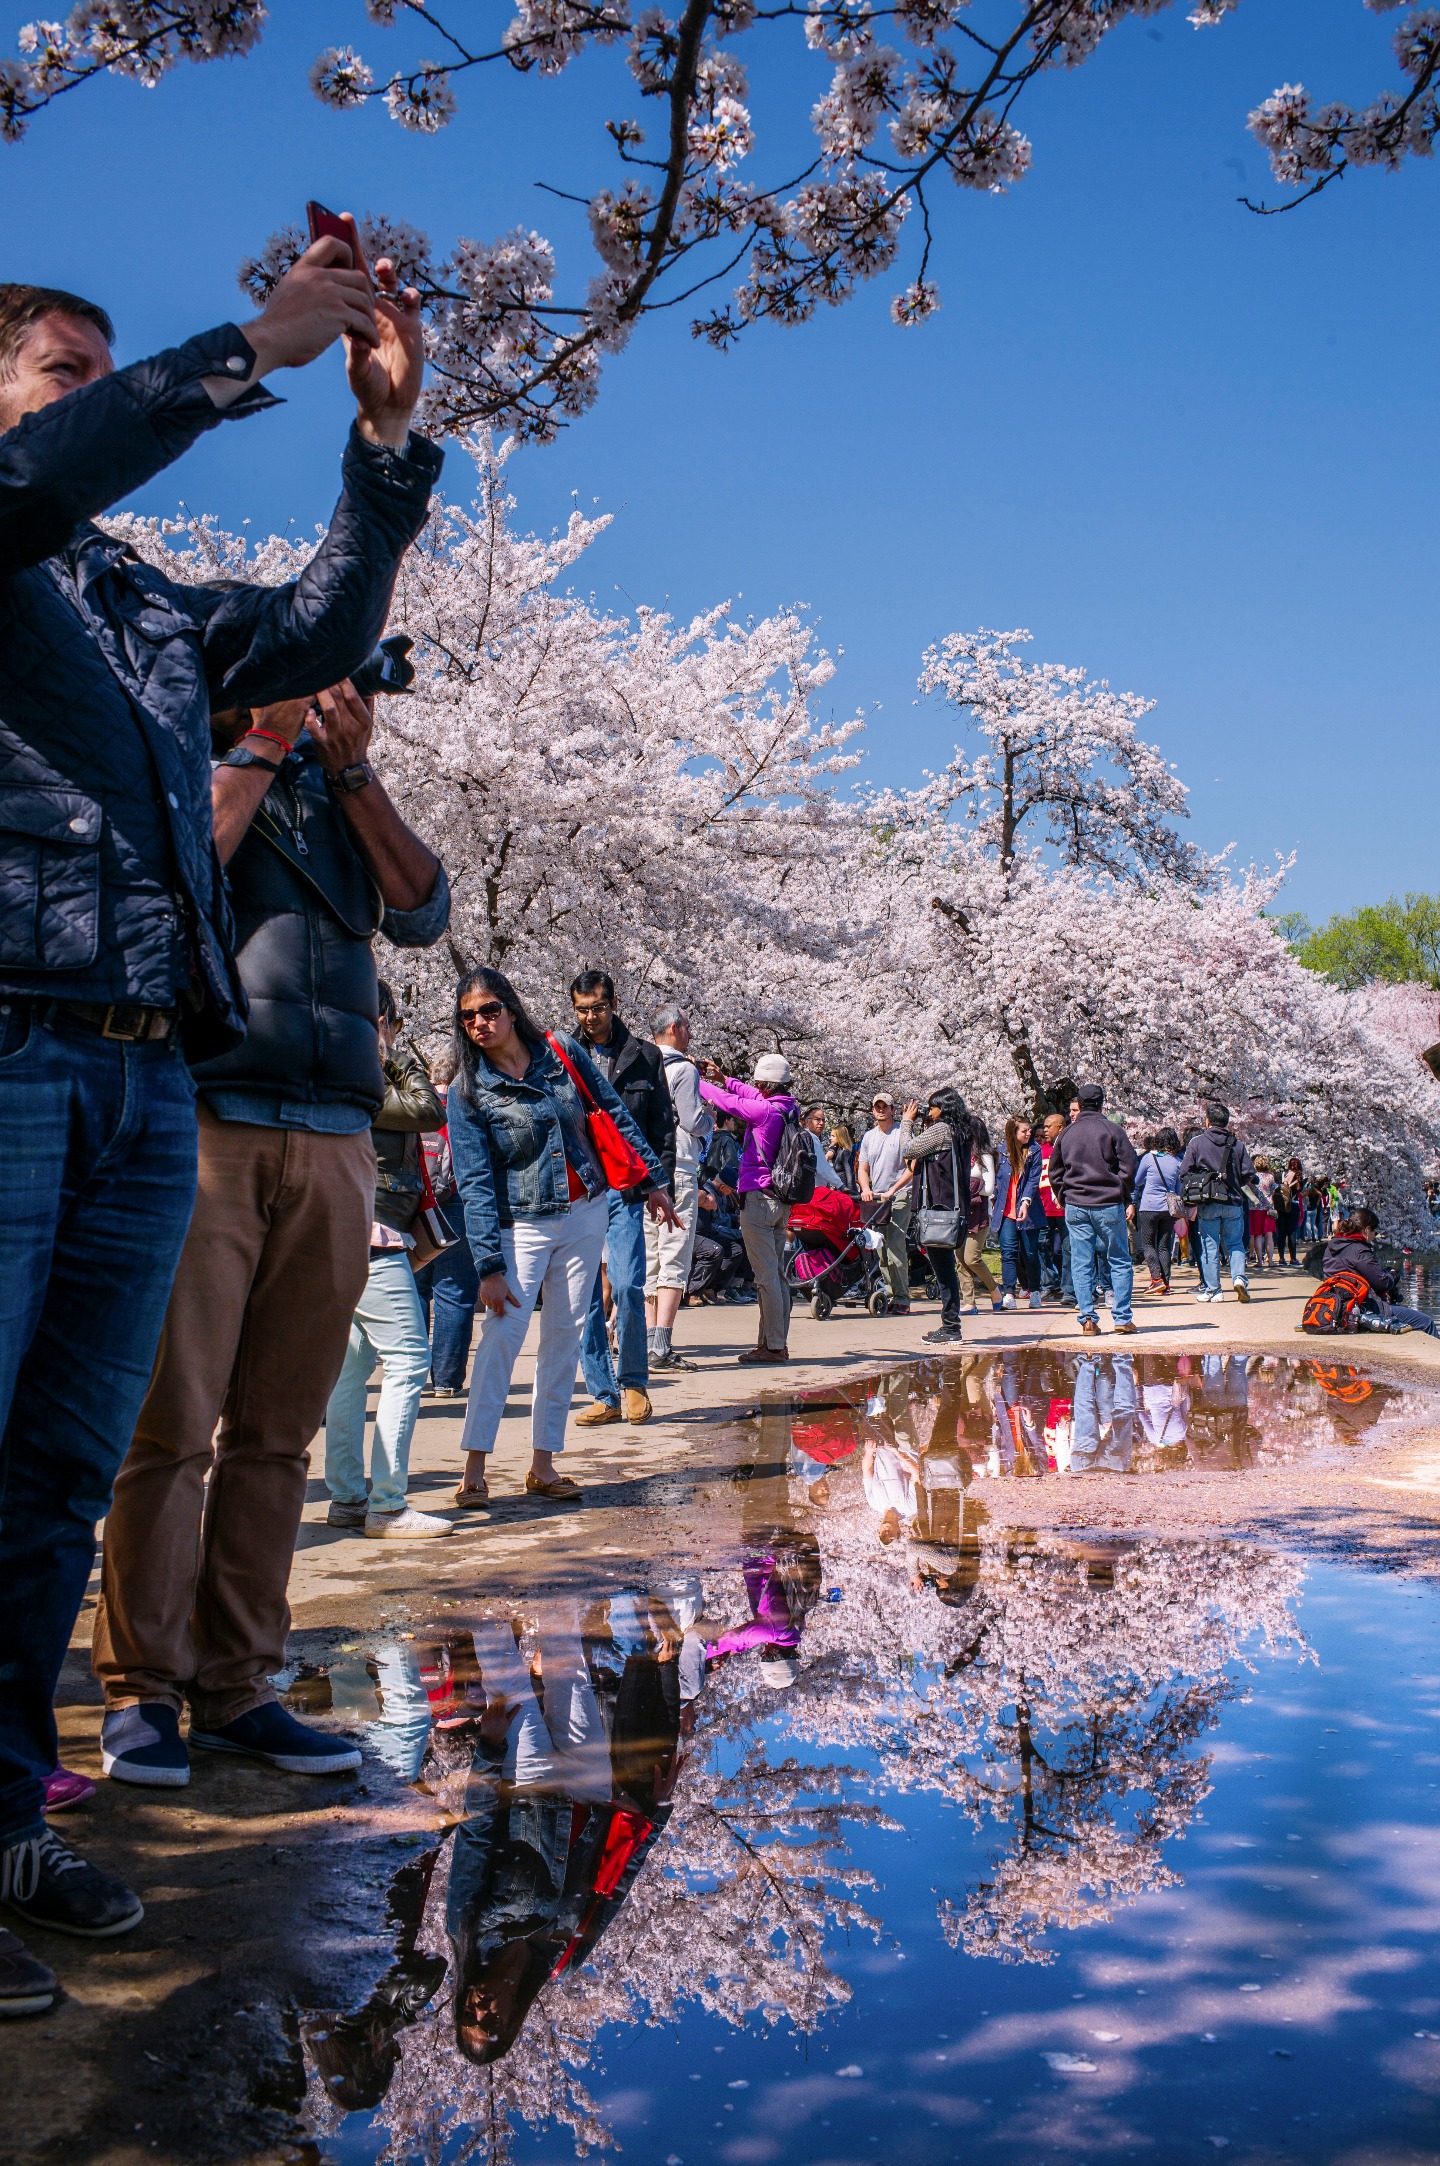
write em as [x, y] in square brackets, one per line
[498, 986]
[954, 1114]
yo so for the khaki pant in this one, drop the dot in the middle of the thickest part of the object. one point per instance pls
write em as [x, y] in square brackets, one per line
[763, 1220]
[192, 1602]
[974, 1271]
[895, 1258]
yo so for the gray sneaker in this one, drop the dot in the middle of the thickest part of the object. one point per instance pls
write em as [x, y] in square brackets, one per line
[406, 1525]
[346, 1515]
[671, 1360]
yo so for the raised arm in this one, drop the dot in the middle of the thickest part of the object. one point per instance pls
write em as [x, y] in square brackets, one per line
[71, 457]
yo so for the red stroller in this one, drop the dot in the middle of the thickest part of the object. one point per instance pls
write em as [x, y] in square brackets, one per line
[836, 1245]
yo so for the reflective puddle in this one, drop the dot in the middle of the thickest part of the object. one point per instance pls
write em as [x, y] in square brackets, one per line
[973, 1844]
[1031, 1411]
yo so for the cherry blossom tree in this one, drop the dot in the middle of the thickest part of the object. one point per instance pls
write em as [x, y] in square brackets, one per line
[670, 801]
[919, 93]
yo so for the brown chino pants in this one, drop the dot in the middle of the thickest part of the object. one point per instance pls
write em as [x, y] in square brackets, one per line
[192, 1602]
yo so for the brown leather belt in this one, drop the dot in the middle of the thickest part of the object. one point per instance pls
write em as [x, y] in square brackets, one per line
[121, 1020]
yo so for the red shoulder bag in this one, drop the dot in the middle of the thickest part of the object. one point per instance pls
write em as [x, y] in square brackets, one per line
[617, 1157]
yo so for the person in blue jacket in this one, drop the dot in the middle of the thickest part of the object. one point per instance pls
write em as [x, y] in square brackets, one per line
[1017, 1213]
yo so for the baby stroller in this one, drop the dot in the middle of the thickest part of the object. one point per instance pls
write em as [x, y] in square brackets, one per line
[835, 1252]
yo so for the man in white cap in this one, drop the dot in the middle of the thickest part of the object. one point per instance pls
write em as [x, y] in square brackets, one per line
[881, 1171]
[763, 1105]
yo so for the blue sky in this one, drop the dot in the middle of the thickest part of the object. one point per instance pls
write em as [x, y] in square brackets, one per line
[1190, 449]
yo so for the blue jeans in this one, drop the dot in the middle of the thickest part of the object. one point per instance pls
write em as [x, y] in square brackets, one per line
[1217, 1226]
[625, 1262]
[1395, 1313]
[449, 1289]
[389, 1326]
[1106, 1404]
[1019, 1251]
[98, 1144]
[1100, 1242]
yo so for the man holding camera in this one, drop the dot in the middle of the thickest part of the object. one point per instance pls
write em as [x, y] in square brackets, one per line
[192, 1603]
[116, 967]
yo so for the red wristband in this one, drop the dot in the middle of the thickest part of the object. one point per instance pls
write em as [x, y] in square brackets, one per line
[273, 735]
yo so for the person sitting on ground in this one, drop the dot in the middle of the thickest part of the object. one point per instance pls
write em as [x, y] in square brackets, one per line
[1351, 1247]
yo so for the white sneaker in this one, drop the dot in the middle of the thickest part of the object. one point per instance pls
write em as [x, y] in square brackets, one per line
[1008, 1302]
[406, 1525]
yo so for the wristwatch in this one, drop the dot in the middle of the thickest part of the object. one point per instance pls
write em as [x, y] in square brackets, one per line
[242, 756]
[353, 778]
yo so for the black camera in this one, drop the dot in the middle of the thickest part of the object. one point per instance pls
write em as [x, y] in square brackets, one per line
[389, 668]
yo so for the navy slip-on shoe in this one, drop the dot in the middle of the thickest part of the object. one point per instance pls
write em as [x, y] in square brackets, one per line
[272, 1733]
[142, 1745]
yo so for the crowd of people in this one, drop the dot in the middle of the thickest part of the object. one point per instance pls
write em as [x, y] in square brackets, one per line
[237, 1189]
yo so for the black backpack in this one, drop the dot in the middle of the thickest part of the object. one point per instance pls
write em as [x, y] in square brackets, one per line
[1201, 1185]
[792, 1169]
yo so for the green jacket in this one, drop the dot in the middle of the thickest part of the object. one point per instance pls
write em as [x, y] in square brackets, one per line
[411, 1109]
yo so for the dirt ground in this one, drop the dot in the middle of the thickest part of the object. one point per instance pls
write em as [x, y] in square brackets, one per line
[265, 1893]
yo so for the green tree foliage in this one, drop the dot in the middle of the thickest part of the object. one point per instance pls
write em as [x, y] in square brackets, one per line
[1390, 943]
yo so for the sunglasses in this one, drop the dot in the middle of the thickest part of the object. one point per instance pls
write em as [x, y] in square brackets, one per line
[485, 1013]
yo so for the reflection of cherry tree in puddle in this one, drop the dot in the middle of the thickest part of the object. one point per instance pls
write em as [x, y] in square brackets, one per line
[635, 1835]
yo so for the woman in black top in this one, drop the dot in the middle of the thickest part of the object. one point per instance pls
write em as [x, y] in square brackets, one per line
[940, 1157]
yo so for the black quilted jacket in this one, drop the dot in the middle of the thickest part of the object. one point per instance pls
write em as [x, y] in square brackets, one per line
[109, 884]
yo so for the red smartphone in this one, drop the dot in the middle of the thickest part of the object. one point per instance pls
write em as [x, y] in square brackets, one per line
[328, 224]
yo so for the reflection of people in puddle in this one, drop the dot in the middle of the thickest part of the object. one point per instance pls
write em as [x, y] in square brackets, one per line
[950, 1566]
[1103, 1434]
[572, 1764]
[781, 1568]
[1219, 1429]
[524, 1857]
[821, 1437]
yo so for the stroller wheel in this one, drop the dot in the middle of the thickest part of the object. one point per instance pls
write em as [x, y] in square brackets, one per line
[878, 1304]
[820, 1307]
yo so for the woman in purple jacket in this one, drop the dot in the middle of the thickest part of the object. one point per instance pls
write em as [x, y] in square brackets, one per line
[762, 1106]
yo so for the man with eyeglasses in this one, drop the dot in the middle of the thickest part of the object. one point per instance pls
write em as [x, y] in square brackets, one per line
[882, 1172]
[636, 1068]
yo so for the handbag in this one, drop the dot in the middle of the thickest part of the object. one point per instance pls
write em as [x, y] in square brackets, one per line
[935, 1228]
[431, 1231]
[616, 1156]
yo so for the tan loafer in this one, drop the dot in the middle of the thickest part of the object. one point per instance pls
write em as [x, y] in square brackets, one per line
[473, 1496]
[596, 1416]
[637, 1406]
[559, 1489]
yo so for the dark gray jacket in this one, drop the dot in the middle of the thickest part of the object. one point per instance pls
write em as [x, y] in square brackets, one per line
[1093, 1163]
[1218, 1151]
[109, 885]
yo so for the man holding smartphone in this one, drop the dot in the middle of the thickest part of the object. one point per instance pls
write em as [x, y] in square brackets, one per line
[116, 962]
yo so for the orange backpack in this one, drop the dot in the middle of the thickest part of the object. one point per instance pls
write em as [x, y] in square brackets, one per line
[1336, 1303]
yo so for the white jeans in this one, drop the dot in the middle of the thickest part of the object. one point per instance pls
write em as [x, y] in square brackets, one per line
[669, 1249]
[562, 1254]
[567, 1747]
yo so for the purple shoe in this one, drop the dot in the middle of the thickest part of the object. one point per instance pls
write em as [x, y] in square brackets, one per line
[65, 1788]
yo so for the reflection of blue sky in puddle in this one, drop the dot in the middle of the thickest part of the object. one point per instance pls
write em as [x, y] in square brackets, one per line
[1274, 2001]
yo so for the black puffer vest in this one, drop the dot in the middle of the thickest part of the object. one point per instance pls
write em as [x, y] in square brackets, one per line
[306, 912]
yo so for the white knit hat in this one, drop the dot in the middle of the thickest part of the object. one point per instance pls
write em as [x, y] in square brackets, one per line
[773, 1068]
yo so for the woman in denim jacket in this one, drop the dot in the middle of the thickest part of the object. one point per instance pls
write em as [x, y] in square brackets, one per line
[536, 1214]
